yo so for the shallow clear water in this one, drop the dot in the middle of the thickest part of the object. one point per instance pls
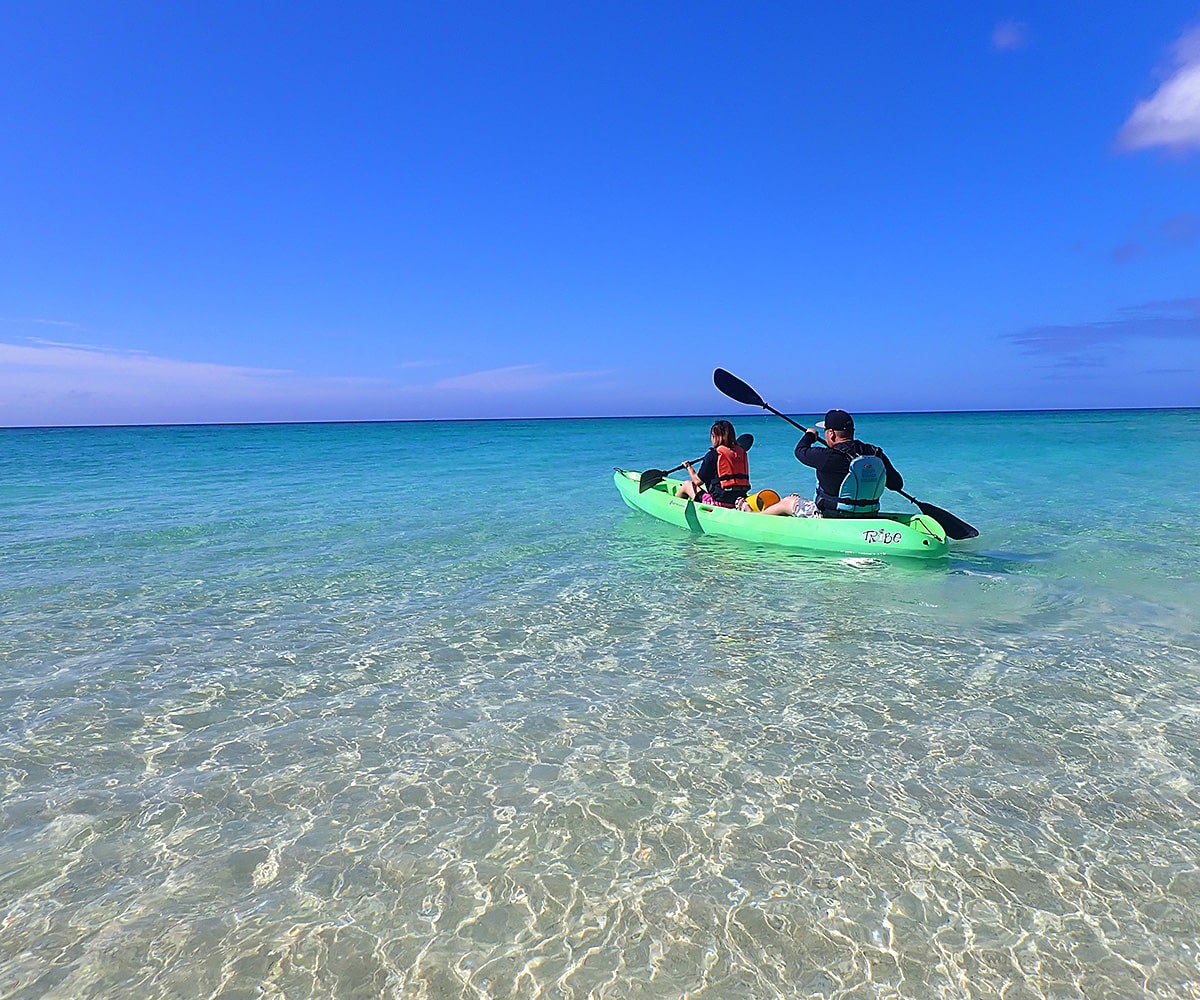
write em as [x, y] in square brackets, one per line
[422, 710]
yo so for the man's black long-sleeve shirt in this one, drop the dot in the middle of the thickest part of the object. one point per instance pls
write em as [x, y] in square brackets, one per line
[832, 465]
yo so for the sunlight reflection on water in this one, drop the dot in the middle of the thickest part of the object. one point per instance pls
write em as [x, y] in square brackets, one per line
[270, 743]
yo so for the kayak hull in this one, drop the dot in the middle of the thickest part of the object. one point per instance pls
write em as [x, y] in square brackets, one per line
[913, 535]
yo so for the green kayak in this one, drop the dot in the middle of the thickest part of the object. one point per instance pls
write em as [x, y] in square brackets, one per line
[880, 534]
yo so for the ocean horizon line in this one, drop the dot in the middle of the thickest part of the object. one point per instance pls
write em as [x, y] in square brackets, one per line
[645, 416]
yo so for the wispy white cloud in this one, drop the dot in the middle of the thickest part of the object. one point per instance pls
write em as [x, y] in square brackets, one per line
[1126, 252]
[37, 321]
[1009, 35]
[82, 359]
[41, 342]
[1171, 116]
[44, 382]
[1182, 229]
[1178, 319]
[514, 378]
[1179, 231]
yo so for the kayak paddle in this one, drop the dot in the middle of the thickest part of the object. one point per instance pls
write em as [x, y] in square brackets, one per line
[735, 388]
[652, 477]
[954, 527]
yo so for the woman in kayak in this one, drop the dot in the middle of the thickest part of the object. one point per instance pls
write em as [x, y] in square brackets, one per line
[832, 465]
[724, 473]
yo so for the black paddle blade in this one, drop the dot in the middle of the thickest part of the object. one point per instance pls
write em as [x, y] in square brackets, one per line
[745, 441]
[954, 527]
[652, 477]
[735, 388]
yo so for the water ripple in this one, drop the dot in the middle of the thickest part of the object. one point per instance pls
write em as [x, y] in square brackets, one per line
[310, 741]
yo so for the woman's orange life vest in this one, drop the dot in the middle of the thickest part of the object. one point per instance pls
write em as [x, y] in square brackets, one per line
[733, 467]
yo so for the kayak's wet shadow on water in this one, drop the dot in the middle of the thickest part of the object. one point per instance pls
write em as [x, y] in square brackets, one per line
[654, 544]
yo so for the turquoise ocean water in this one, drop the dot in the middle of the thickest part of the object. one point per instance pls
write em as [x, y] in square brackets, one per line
[422, 710]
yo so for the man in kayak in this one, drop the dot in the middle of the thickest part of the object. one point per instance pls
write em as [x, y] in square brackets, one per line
[838, 490]
[724, 472]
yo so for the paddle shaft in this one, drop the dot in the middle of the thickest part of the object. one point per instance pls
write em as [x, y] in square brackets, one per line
[785, 417]
[694, 461]
[652, 476]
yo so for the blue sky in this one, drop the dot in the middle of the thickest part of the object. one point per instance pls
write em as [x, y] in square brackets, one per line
[218, 211]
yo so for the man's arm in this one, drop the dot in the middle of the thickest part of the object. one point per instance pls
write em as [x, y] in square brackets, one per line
[895, 481]
[811, 456]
